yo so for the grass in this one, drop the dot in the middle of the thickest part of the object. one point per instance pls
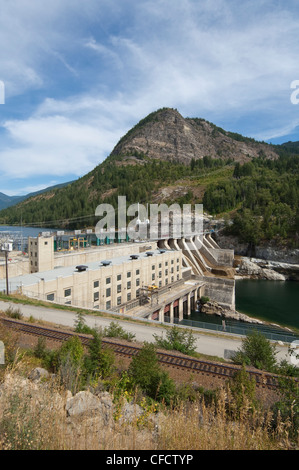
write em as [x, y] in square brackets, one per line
[33, 416]
[27, 422]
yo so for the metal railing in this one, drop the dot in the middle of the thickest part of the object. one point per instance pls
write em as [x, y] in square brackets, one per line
[273, 334]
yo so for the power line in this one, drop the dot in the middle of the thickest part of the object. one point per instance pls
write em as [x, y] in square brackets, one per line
[53, 222]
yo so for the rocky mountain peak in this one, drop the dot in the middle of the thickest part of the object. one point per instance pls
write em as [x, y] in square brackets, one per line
[166, 135]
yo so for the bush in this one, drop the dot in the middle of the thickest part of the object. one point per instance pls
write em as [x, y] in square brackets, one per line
[114, 330]
[14, 313]
[69, 362]
[99, 361]
[10, 339]
[146, 373]
[80, 325]
[287, 408]
[242, 394]
[177, 339]
[256, 351]
[40, 350]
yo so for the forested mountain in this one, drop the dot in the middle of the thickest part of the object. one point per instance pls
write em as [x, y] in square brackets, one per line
[8, 201]
[263, 196]
[166, 158]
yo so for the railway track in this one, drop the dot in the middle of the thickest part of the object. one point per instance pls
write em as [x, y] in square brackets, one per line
[203, 367]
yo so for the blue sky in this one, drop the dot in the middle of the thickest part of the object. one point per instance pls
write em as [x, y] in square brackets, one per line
[78, 75]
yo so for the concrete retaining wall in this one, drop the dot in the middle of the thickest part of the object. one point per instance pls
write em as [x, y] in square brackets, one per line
[220, 290]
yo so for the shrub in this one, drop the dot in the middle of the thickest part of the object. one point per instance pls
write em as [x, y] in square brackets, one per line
[242, 393]
[146, 373]
[257, 351]
[10, 339]
[14, 313]
[80, 325]
[99, 361]
[114, 330]
[287, 408]
[177, 339]
[40, 348]
[69, 361]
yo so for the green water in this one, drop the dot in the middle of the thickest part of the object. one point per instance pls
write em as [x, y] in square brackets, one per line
[271, 301]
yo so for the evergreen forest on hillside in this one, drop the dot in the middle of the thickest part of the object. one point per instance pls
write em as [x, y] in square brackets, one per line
[74, 206]
[265, 196]
[260, 196]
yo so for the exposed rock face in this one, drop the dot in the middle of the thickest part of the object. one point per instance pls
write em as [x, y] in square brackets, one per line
[84, 420]
[252, 270]
[267, 252]
[213, 308]
[166, 135]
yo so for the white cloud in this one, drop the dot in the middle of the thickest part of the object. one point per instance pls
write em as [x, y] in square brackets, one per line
[35, 34]
[53, 145]
[114, 62]
[104, 51]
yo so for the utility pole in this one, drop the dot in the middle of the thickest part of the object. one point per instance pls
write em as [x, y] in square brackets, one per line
[6, 270]
[7, 247]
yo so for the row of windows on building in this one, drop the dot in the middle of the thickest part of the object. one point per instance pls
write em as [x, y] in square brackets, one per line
[119, 286]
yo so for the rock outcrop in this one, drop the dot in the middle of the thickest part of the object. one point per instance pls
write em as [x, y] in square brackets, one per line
[87, 419]
[269, 252]
[166, 135]
[213, 308]
[253, 270]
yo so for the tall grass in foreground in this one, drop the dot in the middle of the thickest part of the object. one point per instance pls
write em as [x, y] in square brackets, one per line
[34, 419]
[213, 430]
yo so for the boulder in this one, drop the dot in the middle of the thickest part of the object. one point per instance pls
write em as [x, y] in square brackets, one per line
[212, 308]
[107, 407]
[83, 402]
[130, 412]
[273, 275]
[37, 374]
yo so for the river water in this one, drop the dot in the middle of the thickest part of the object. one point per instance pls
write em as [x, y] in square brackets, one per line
[271, 301]
[20, 234]
[24, 231]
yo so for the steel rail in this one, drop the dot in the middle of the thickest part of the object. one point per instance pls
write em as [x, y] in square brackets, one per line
[262, 379]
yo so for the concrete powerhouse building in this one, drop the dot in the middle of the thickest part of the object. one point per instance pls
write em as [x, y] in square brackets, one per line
[153, 279]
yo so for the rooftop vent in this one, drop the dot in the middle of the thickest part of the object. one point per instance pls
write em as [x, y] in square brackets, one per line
[81, 268]
[134, 256]
[106, 263]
